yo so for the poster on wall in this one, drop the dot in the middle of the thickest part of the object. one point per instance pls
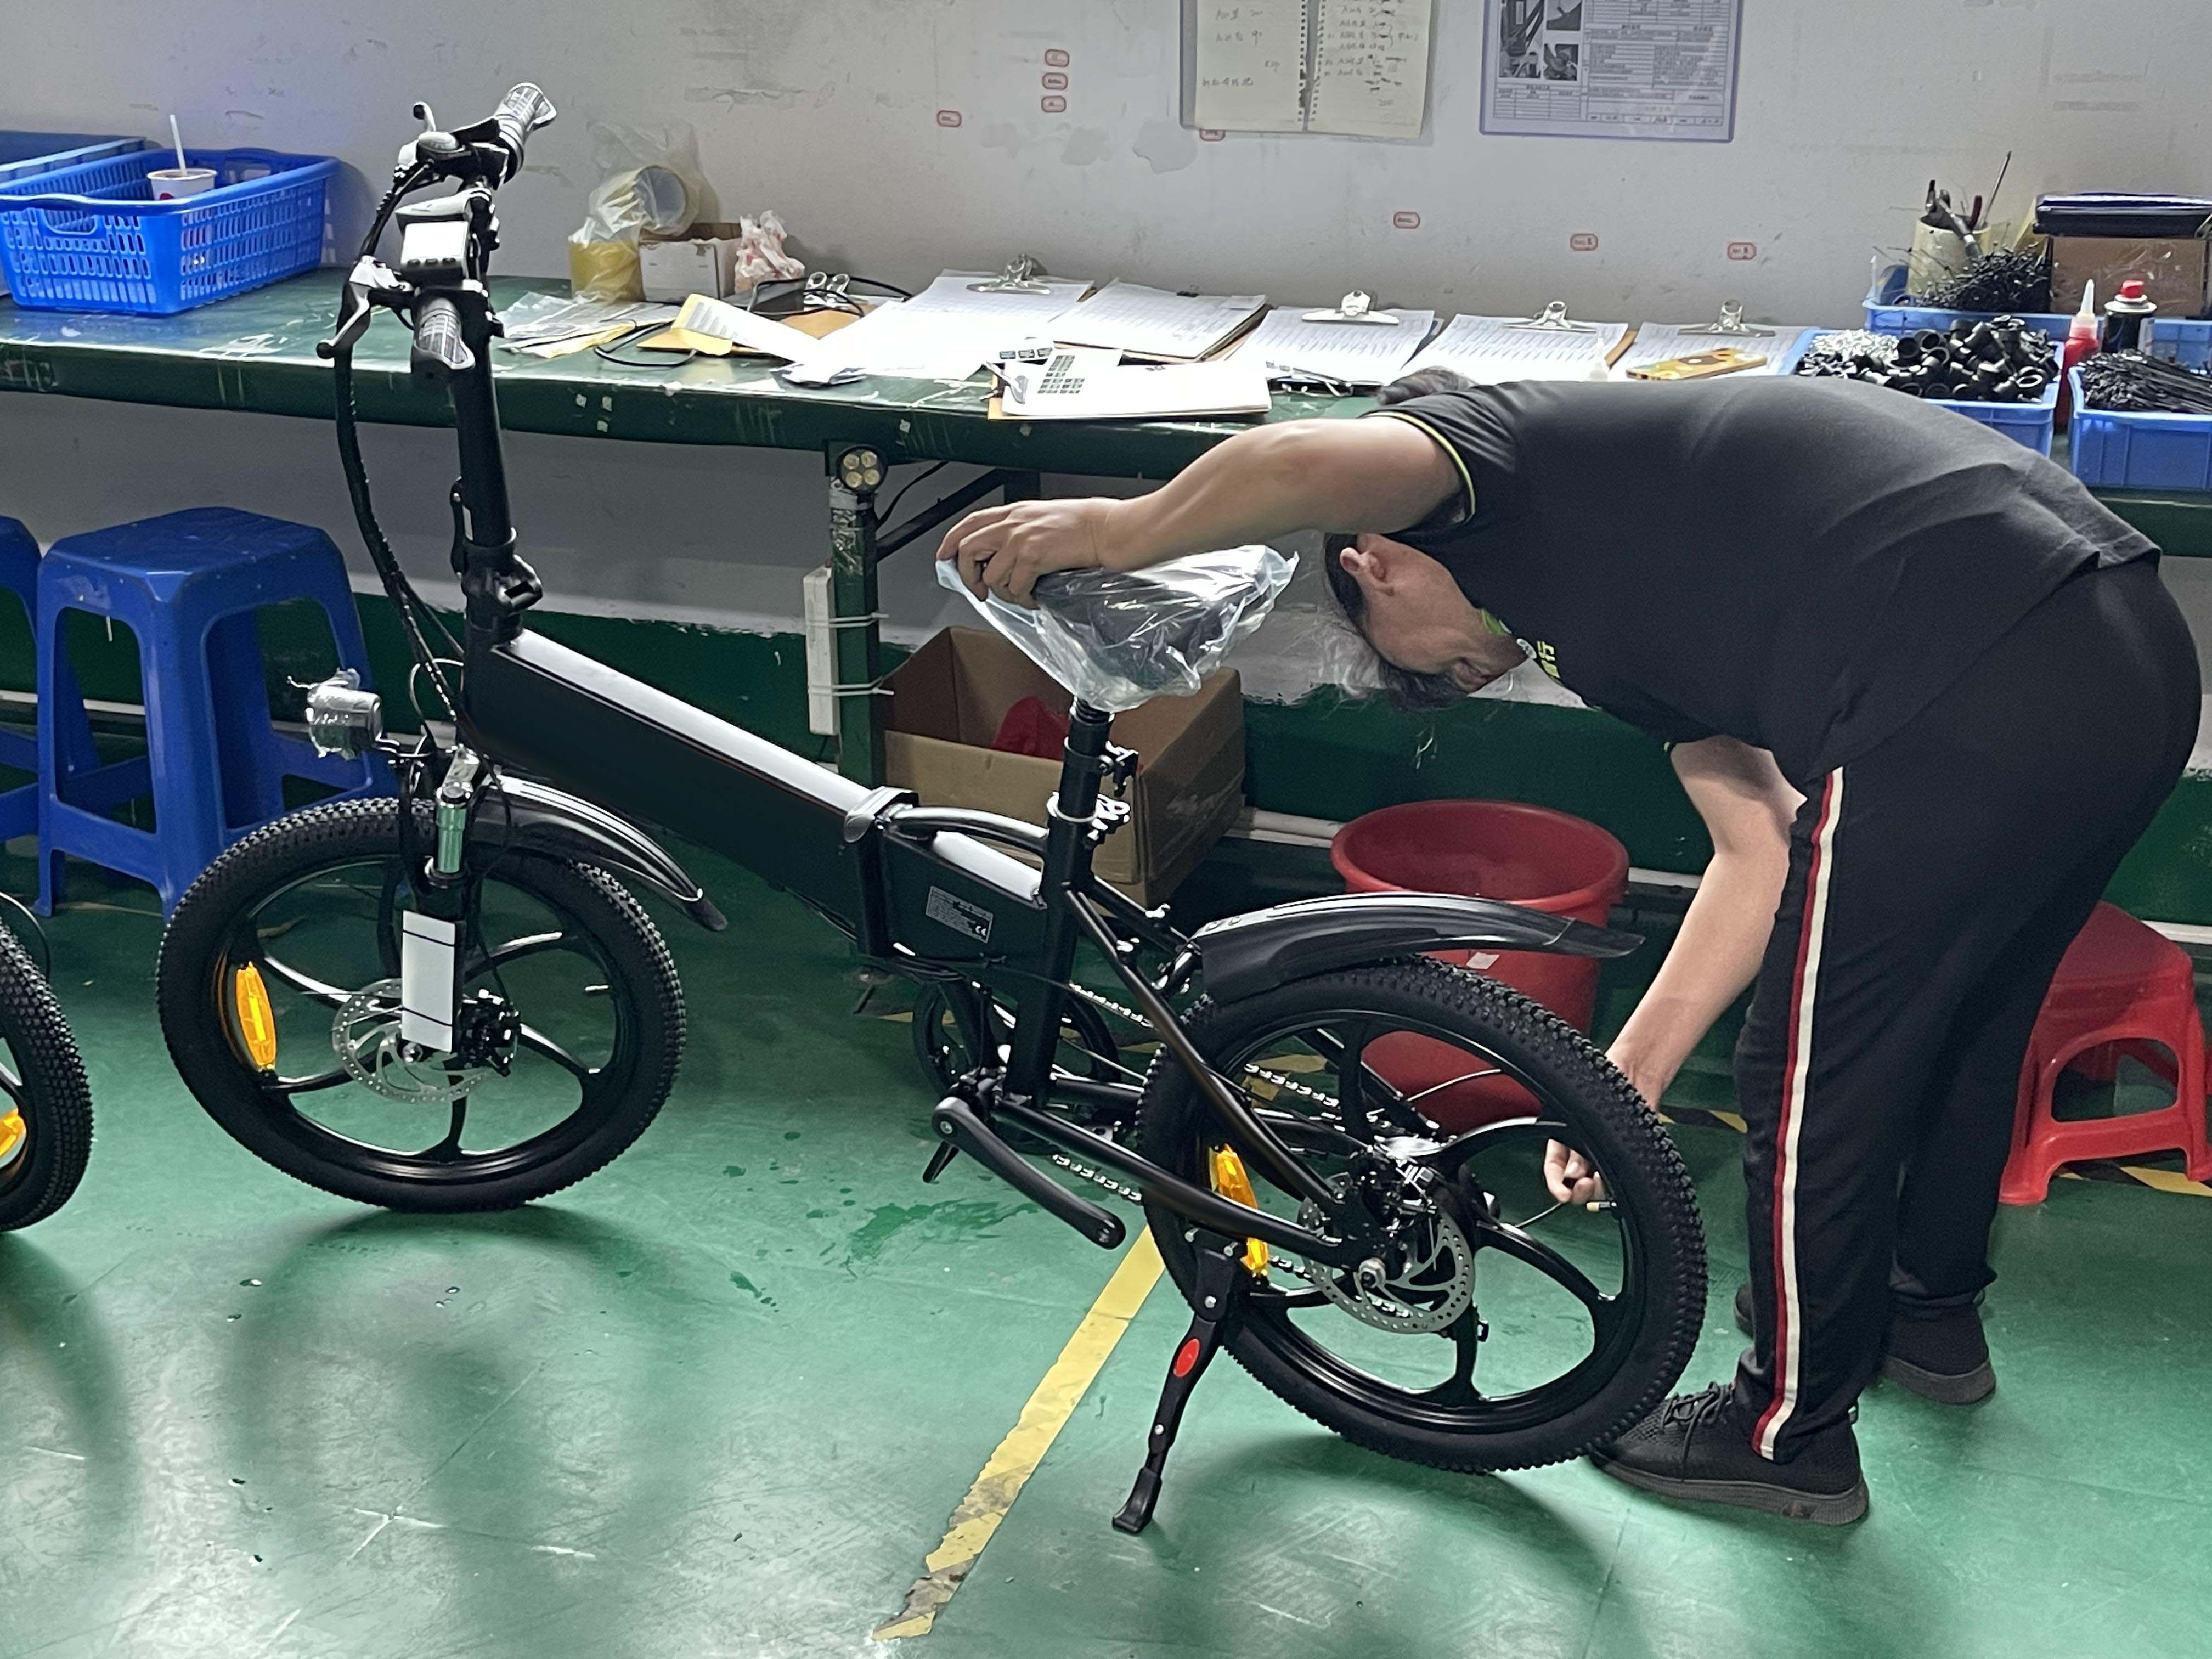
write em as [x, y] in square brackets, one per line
[1611, 68]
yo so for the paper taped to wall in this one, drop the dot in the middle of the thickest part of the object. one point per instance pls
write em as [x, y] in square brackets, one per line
[1611, 68]
[1360, 68]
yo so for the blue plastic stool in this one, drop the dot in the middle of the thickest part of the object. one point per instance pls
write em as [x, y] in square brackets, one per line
[18, 575]
[187, 584]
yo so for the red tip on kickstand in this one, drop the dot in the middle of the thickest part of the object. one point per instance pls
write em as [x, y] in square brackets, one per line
[1185, 1357]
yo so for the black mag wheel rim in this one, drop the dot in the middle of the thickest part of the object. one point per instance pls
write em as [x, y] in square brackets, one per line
[436, 1135]
[1457, 1401]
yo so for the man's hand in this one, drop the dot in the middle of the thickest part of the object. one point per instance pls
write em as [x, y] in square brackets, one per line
[1004, 550]
[1572, 1178]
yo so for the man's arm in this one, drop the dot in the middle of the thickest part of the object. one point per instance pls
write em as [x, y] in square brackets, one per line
[1344, 475]
[1747, 807]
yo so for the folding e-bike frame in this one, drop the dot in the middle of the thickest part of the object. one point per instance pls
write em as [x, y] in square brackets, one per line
[935, 894]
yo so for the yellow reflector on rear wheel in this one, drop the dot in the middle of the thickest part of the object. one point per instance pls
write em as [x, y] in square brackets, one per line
[1228, 1179]
[13, 1133]
[256, 1020]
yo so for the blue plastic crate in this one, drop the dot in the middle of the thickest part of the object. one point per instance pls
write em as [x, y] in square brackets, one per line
[92, 238]
[1884, 315]
[23, 154]
[2184, 340]
[2113, 449]
[2032, 424]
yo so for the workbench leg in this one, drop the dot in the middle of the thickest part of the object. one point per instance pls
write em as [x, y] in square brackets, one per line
[1024, 487]
[855, 473]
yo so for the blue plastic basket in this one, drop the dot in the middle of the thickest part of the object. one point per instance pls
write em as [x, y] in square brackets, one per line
[2032, 424]
[2184, 340]
[23, 154]
[1884, 315]
[2113, 449]
[92, 238]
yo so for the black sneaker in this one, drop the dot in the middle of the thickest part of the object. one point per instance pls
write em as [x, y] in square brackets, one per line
[1698, 1446]
[1942, 1356]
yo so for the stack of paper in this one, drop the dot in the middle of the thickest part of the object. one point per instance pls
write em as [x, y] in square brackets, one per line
[1151, 322]
[1655, 342]
[1491, 350]
[1076, 384]
[1351, 354]
[556, 325]
[953, 327]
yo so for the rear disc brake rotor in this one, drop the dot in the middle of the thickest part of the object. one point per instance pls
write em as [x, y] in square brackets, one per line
[1423, 1282]
[366, 1036]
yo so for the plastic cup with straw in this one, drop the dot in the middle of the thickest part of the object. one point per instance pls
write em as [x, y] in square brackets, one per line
[167, 183]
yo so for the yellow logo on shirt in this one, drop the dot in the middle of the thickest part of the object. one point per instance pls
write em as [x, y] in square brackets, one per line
[1541, 652]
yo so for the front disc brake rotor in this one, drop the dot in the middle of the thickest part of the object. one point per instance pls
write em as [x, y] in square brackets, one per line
[366, 1035]
[1423, 1281]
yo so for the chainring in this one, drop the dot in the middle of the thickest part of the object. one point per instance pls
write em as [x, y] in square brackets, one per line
[365, 1037]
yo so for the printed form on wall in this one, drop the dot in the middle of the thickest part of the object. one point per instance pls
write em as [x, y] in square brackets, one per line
[1611, 68]
[1356, 67]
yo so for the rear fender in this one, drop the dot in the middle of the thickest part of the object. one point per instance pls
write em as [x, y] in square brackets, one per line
[1243, 956]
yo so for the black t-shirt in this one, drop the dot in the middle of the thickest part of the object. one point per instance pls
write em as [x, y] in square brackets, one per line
[1800, 564]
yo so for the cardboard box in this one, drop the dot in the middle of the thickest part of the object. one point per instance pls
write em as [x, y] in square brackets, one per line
[703, 260]
[949, 697]
[2176, 272]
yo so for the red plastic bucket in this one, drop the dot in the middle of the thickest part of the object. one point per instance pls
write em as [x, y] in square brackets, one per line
[1497, 849]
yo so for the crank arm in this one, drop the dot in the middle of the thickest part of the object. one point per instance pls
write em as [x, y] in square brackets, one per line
[957, 1121]
[1194, 1203]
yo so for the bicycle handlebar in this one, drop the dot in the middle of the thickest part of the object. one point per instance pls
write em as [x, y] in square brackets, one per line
[521, 112]
[439, 351]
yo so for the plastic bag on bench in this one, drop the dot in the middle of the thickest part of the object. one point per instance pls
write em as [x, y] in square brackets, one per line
[1119, 638]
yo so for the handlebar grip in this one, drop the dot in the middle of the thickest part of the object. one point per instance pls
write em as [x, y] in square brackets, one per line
[439, 351]
[522, 111]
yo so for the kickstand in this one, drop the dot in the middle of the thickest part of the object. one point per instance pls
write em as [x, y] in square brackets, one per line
[1223, 1281]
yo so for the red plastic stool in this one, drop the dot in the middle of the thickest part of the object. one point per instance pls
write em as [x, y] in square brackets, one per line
[2121, 984]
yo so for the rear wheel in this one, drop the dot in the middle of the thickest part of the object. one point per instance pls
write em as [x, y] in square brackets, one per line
[279, 995]
[46, 1110]
[1495, 1329]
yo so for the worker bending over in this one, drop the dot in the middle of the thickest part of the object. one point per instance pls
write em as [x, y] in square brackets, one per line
[1924, 691]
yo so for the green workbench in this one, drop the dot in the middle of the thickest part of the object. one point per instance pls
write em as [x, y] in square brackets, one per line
[256, 354]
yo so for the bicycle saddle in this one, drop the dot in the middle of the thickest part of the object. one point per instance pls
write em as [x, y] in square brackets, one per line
[1118, 638]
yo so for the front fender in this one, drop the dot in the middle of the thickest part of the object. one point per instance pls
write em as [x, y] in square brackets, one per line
[1241, 955]
[517, 812]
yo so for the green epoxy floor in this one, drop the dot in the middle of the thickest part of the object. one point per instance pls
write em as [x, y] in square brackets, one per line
[720, 1399]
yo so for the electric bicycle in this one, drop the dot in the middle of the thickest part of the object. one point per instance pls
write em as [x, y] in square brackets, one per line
[450, 1001]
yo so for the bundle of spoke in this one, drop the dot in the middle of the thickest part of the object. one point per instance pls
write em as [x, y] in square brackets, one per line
[2138, 385]
[2001, 360]
[2016, 279]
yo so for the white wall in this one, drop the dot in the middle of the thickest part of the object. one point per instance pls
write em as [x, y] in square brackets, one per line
[827, 110]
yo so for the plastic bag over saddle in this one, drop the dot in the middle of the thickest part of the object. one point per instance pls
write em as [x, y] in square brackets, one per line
[1119, 638]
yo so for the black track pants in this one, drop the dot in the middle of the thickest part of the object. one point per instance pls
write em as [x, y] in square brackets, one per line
[1934, 884]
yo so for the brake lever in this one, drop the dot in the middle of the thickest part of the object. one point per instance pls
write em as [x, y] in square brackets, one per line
[371, 283]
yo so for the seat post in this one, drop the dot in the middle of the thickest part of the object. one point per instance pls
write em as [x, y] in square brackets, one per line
[1067, 847]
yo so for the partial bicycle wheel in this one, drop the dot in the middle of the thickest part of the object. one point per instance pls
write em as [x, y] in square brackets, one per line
[45, 1108]
[279, 996]
[1495, 1329]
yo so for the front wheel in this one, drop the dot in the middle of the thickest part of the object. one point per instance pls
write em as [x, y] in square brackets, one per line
[279, 995]
[1494, 1329]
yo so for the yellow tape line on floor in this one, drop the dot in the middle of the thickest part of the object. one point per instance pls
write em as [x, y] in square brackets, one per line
[1010, 1467]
